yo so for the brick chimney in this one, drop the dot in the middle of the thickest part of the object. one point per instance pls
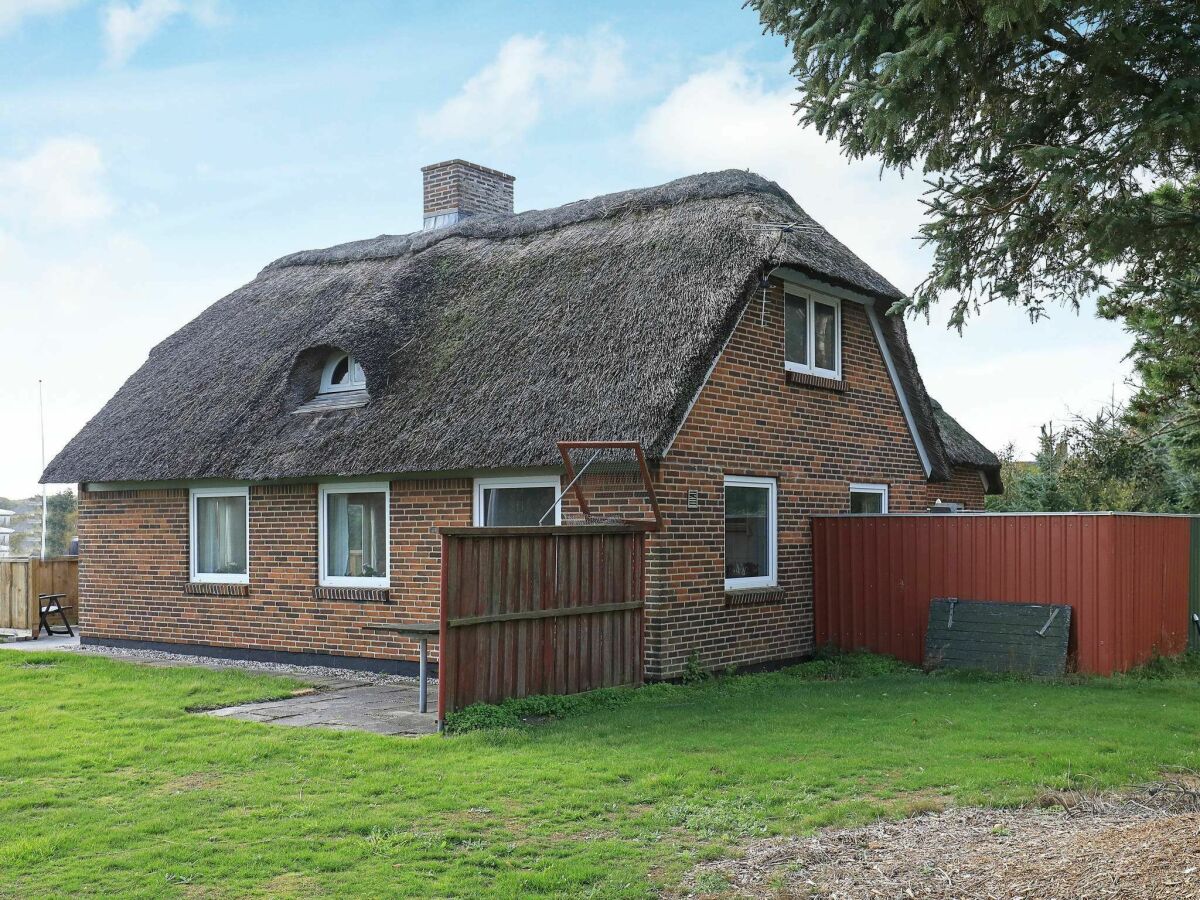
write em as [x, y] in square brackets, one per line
[457, 189]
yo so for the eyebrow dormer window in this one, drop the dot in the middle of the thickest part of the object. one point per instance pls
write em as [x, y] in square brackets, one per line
[342, 373]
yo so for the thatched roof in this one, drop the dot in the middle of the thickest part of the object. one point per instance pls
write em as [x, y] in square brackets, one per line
[483, 343]
[962, 449]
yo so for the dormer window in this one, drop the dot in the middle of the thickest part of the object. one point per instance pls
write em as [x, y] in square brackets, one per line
[342, 373]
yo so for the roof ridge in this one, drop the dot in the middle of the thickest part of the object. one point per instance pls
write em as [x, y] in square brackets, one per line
[704, 186]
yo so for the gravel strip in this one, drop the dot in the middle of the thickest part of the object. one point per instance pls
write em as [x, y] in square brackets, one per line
[1141, 846]
[319, 674]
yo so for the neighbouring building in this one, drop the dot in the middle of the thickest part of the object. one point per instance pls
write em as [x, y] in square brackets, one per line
[273, 477]
[6, 532]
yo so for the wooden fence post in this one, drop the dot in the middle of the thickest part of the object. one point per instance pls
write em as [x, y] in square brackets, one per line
[35, 608]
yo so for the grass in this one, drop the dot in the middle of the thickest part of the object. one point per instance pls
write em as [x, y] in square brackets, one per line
[108, 785]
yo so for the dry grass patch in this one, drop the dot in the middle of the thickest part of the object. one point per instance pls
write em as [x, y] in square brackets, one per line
[1140, 845]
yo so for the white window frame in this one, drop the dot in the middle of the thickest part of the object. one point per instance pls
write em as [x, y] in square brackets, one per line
[772, 579]
[810, 366]
[349, 487]
[516, 481]
[881, 489]
[215, 577]
[352, 384]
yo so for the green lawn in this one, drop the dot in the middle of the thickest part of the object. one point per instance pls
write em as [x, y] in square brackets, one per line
[109, 786]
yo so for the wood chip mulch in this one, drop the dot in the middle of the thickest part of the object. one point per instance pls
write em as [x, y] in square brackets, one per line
[1144, 844]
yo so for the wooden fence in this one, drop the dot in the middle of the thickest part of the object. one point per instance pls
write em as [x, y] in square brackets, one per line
[539, 611]
[23, 580]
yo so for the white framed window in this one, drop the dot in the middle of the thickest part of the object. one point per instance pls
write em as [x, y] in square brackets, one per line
[868, 498]
[219, 529]
[353, 534]
[517, 500]
[342, 373]
[751, 532]
[812, 333]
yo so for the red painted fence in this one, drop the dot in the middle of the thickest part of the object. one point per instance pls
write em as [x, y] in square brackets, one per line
[539, 611]
[1125, 576]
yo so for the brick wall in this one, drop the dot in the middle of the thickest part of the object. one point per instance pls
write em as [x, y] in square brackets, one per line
[751, 420]
[134, 572]
[965, 487]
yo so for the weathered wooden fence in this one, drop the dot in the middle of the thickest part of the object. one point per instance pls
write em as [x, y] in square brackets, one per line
[1127, 578]
[539, 611]
[23, 580]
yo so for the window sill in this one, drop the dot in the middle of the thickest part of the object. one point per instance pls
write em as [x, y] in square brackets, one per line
[356, 594]
[216, 589]
[764, 596]
[818, 381]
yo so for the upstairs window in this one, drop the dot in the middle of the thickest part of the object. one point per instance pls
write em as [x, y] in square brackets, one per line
[342, 373]
[519, 500]
[813, 334]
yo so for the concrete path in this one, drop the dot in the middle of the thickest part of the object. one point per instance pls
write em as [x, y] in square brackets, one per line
[378, 708]
[45, 642]
[339, 702]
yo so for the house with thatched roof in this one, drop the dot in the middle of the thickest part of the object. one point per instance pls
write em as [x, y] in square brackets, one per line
[273, 476]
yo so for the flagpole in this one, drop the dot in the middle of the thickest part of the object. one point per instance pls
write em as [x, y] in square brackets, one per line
[42, 417]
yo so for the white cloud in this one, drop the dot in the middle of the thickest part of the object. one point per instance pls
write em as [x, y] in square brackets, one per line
[14, 12]
[506, 98]
[127, 26]
[727, 117]
[61, 184]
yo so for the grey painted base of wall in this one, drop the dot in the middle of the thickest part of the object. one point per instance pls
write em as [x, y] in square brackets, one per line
[287, 658]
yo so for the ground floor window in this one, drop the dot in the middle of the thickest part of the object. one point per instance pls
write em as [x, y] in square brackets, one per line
[868, 498]
[517, 500]
[220, 531]
[354, 535]
[750, 532]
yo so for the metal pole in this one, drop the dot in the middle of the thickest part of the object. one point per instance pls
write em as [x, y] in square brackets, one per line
[567, 489]
[423, 690]
[42, 419]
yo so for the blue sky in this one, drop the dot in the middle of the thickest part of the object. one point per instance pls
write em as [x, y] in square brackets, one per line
[155, 154]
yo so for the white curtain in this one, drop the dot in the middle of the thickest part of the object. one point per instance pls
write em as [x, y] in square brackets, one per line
[337, 533]
[221, 535]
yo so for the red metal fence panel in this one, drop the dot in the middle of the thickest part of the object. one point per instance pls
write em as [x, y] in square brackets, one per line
[539, 611]
[1125, 576]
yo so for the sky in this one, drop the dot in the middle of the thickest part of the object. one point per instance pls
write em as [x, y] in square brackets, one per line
[155, 154]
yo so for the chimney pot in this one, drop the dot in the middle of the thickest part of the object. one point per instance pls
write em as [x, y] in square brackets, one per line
[457, 190]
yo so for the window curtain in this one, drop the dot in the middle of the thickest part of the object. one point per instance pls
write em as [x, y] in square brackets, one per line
[221, 535]
[356, 535]
[337, 535]
[517, 506]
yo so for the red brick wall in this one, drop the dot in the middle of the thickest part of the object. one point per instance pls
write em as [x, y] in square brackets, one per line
[965, 487]
[749, 420]
[134, 570]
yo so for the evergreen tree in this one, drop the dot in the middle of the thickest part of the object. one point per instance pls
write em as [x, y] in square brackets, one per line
[1060, 140]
